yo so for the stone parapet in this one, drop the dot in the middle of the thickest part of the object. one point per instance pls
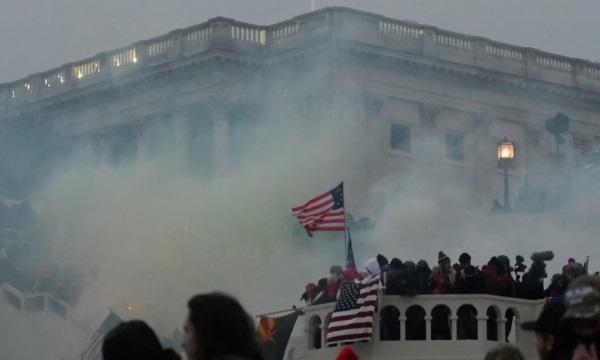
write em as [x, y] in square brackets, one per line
[501, 311]
[337, 24]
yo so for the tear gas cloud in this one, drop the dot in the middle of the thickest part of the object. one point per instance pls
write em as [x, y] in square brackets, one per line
[150, 233]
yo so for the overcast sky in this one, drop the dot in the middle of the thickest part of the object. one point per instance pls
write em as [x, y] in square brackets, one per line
[36, 35]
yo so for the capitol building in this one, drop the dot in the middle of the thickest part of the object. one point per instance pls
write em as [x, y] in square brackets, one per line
[482, 113]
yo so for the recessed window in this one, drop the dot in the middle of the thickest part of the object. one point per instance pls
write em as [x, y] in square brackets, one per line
[455, 146]
[400, 137]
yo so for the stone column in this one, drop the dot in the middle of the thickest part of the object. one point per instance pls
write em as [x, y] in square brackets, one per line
[454, 327]
[402, 327]
[376, 327]
[482, 327]
[428, 148]
[428, 43]
[428, 319]
[480, 153]
[501, 329]
[220, 141]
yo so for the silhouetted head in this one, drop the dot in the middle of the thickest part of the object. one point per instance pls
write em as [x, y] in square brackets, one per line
[133, 340]
[218, 326]
[464, 259]
[422, 265]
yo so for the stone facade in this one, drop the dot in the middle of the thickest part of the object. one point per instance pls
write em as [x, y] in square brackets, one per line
[424, 95]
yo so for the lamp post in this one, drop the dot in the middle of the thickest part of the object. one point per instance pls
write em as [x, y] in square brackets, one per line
[506, 154]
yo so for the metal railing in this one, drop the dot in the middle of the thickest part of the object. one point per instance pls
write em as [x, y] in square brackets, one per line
[33, 302]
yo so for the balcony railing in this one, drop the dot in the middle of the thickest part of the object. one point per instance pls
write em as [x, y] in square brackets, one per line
[34, 302]
[461, 322]
[330, 23]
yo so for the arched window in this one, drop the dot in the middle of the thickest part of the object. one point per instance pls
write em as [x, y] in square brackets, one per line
[492, 323]
[314, 331]
[389, 325]
[467, 322]
[510, 333]
[440, 323]
[415, 323]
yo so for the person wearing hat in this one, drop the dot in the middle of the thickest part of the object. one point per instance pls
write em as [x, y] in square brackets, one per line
[582, 300]
[554, 340]
[443, 282]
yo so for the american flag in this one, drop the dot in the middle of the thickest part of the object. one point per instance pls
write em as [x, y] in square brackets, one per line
[324, 212]
[352, 319]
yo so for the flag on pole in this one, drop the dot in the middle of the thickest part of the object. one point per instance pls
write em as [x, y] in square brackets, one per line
[352, 319]
[94, 349]
[274, 333]
[350, 262]
[324, 212]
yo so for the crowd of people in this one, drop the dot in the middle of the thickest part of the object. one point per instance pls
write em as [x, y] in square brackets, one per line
[495, 278]
[218, 328]
[568, 327]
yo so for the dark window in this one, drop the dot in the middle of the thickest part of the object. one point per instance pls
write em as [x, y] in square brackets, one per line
[415, 323]
[455, 147]
[492, 324]
[389, 324]
[467, 323]
[400, 137]
[440, 323]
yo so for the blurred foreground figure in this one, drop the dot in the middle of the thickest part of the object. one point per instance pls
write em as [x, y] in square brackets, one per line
[554, 339]
[504, 352]
[583, 315]
[134, 340]
[346, 354]
[218, 328]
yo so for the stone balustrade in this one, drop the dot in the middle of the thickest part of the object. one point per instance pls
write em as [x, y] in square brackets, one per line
[342, 24]
[31, 302]
[490, 318]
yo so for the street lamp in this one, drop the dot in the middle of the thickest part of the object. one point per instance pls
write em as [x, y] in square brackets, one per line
[506, 154]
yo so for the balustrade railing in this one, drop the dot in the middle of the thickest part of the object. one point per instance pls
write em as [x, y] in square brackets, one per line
[159, 47]
[401, 30]
[125, 57]
[55, 79]
[250, 34]
[20, 90]
[485, 319]
[86, 69]
[453, 41]
[32, 302]
[592, 71]
[554, 62]
[503, 51]
[285, 30]
[196, 36]
[420, 39]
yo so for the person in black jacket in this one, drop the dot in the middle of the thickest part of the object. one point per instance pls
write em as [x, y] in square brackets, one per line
[423, 277]
[134, 340]
[555, 341]
[469, 279]
[394, 278]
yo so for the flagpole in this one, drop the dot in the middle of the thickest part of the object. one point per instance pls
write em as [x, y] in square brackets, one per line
[345, 225]
[294, 308]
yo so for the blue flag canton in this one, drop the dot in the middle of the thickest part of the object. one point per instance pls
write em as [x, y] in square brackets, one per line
[348, 296]
[338, 196]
